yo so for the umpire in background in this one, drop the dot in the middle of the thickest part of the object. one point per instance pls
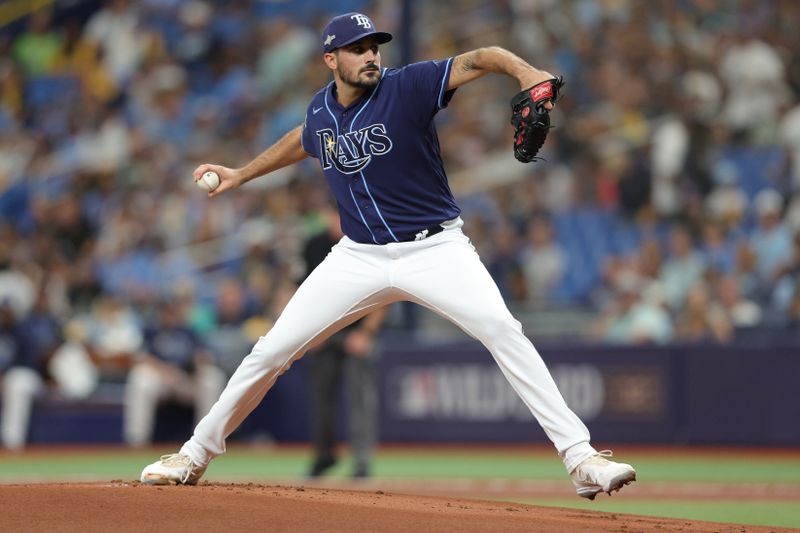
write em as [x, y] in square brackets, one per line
[350, 353]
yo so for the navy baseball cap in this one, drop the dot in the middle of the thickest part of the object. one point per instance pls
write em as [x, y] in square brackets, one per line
[349, 28]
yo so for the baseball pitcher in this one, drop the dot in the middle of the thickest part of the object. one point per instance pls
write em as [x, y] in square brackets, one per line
[373, 132]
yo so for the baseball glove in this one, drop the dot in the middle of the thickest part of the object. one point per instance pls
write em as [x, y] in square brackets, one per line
[531, 120]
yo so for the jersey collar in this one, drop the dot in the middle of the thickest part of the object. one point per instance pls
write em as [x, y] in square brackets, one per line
[330, 93]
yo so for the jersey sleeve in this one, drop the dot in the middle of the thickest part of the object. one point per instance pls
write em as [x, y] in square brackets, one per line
[307, 139]
[425, 83]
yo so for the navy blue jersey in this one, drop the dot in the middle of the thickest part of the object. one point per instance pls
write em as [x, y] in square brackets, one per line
[15, 348]
[381, 156]
[175, 345]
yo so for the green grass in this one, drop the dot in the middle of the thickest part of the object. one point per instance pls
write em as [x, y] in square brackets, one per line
[766, 513]
[718, 469]
[282, 463]
[411, 463]
[547, 466]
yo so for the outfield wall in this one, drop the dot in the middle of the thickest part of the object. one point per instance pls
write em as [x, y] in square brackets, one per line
[455, 393]
[681, 394]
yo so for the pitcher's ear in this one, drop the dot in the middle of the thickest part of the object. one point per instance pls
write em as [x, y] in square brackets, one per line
[331, 59]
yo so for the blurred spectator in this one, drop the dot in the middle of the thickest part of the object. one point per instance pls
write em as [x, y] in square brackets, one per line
[194, 41]
[634, 181]
[285, 46]
[726, 204]
[542, 259]
[44, 328]
[682, 269]
[174, 364]
[668, 152]
[703, 99]
[17, 290]
[792, 216]
[70, 229]
[790, 137]
[37, 48]
[754, 95]
[746, 272]
[26, 347]
[771, 241]
[99, 348]
[742, 312]
[505, 265]
[701, 319]
[788, 282]
[650, 259]
[78, 57]
[719, 253]
[629, 318]
[230, 338]
[20, 379]
[12, 108]
[165, 114]
[117, 32]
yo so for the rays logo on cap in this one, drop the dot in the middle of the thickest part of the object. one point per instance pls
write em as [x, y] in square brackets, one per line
[362, 20]
[348, 28]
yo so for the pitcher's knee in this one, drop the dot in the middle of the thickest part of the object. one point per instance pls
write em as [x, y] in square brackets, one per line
[269, 355]
[495, 327]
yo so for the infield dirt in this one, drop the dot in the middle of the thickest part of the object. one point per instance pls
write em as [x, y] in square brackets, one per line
[129, 506]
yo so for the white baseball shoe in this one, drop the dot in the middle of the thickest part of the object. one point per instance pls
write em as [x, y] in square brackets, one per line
[597, 474]
[172, 469]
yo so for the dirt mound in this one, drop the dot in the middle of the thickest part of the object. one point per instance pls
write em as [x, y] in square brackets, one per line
[129, 506]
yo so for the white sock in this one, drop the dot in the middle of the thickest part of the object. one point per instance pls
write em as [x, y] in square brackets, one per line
[576, 454]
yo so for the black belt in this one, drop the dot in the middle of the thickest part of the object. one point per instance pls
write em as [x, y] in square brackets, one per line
[421, 234]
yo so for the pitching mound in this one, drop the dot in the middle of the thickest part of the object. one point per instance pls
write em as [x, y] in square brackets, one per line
[129, 506]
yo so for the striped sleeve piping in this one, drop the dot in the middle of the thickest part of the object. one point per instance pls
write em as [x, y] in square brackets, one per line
[443, 84]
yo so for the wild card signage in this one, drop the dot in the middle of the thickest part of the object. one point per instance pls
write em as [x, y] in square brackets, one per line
[682, 394]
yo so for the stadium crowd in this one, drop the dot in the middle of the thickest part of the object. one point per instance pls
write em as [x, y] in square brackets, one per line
[669, 202]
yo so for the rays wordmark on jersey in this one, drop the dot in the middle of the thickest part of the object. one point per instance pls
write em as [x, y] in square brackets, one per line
[352, 151]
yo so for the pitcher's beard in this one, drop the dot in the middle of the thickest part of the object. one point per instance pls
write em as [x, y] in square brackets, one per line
[361, 83]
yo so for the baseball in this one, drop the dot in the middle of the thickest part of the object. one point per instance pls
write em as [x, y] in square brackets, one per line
[208, 181]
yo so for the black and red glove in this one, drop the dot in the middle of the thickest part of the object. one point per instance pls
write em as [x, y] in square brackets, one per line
[531, 120]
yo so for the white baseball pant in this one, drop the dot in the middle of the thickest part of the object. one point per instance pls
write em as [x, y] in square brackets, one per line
[21, 385]
[442, 273]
